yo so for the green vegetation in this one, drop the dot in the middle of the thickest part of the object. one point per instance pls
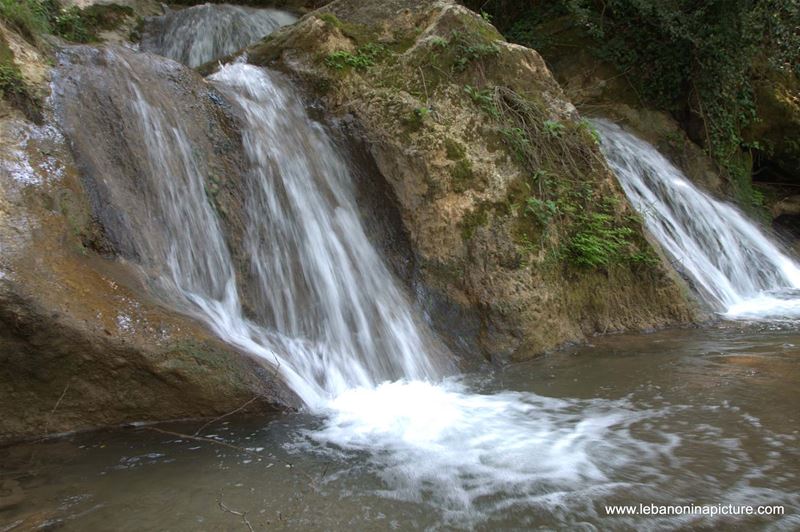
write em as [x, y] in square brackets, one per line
[564, 204]
[30, 17]
[33, 18]
[11, 82]
[470, 47]
[365, 57]
[463, 176]
[697, 60]
[12, 85]
[476, 218]
[72, 25]
[483, 99]
[454, 149]
[599, 241]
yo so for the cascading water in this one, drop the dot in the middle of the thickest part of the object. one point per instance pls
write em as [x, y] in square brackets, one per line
[199, 34]
[326, 312]
[322, 307]
[317, 279]
[734, 265]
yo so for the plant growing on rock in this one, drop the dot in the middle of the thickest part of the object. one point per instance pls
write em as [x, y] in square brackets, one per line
[700, 61]
[470, 47]
[579, 215]
[483, 99]
[365, 57]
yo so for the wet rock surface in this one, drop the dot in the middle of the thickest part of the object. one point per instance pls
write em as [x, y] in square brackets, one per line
[418, 79]
[83, 343]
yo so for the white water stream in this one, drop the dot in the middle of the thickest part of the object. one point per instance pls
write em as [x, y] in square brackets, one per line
[734, 264]
[339, 329]
[199, 34]
[342, 333]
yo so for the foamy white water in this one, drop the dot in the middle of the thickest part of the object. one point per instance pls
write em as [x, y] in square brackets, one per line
[734, 265]
[330, 318]
[476, 453]
[199, 34]
[324, 310]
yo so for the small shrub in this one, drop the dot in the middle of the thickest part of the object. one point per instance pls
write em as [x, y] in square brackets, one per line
[11, 81]
[542, 210]
[483, 99]
[470, 47]
[364, 57]
[29, 17]
[72, 26]
[417, 117]
[517, 141]
[439, 42]
[585, 125]
[554, 128]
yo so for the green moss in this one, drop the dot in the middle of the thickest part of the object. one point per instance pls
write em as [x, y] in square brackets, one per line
[454, 149]
[481, 27]
[474, 219]
[365, 57]
[463, 175]
[13, 87]
[360, 33]
[202, 355]
[363, 34]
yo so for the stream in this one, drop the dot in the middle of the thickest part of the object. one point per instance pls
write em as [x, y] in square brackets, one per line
[389, 435]
[696, 416]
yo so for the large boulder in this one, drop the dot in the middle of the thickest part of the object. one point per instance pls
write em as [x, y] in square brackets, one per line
[522, 237]
[83, 343]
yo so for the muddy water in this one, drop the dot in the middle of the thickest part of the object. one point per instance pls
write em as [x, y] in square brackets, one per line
[676, 417]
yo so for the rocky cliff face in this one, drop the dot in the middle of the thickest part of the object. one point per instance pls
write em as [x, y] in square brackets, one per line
[522, 237]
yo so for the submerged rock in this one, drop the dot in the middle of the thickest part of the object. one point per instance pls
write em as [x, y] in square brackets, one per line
[522, 236]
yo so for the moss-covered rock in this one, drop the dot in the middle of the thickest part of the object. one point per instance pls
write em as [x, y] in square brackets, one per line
[467, 129]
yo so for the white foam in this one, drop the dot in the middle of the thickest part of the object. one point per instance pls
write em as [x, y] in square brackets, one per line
[470, 454]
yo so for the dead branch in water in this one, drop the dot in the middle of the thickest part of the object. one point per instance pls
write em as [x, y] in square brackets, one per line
[201, 439]
[53, 411]
[243, 515]
[198, 431]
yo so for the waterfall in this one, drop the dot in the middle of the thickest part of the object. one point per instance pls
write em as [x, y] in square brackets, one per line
[733, 264]
[317, 279]
[199, 34]
[313, 297]
[296, 282]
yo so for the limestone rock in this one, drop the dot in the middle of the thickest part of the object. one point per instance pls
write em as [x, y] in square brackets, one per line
[430, 86]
